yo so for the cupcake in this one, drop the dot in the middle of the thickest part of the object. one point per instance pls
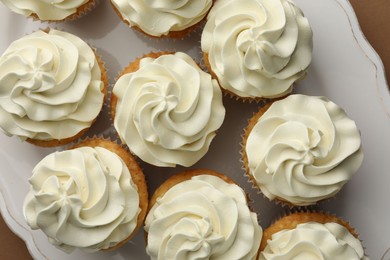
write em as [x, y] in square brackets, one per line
[92, 197]
[301, 150]
[53, 87]
[257, 48]
[52, 11]
[201, 214]
[311, 236]
[166, 109]
[173, 19]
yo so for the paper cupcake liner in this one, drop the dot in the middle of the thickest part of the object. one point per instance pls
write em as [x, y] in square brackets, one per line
[296, 216]
[85, 9]
[85, 139]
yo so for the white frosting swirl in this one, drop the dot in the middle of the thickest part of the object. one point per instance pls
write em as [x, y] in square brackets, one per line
[82, 198]
[303, 149]
[53, 10]
[329, 241]
[168, 110]
[202, 218]
[51, 86]
[159, 17]
[257, 48]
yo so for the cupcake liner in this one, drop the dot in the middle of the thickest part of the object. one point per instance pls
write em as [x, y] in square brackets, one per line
[83, 10]
[86, 139]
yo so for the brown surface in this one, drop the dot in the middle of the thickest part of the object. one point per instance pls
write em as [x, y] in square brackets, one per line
[374, 19]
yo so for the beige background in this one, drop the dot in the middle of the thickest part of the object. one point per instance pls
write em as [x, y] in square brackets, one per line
[374, 19]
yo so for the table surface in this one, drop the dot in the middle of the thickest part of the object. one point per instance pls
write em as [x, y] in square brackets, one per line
[374, 19]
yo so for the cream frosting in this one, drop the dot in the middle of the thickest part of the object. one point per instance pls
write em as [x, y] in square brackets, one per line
[51, 86]
[82, 198]
[202, 218]
[312, 240]
[159, 17]
[45, 9]
[168, 110]
[257, 48]
[303, 149]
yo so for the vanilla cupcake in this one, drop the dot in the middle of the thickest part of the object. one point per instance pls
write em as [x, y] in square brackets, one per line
[166, 109]
[301, 150]
[257, 48]
[52, 88]
[92, 197]
[156, 18]
[201, 214]
[311, 236]
[52, 11]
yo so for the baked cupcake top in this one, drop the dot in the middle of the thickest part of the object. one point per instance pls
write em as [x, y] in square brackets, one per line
[51, 86]
[46, 10]
[302, 150]
[160, 17]
[203, 217]
[314, 240]
[82, 198]
[168, 110]
[257, 48]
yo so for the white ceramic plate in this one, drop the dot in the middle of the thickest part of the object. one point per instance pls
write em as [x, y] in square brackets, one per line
[345, 69]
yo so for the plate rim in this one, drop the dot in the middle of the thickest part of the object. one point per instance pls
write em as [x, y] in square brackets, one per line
[382, 87]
